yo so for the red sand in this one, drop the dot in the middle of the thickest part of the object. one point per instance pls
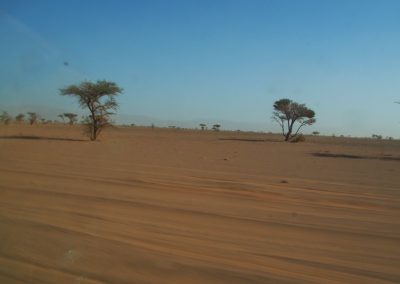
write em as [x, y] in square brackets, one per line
[173, 206]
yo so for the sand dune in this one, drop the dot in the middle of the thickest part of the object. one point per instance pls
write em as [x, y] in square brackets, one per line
[174, 206]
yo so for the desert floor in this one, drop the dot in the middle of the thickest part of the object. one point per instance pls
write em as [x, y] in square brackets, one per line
[149, 205]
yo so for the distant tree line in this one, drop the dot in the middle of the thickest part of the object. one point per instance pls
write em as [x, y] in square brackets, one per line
[215, 127]
[99, 99]
[33, 118]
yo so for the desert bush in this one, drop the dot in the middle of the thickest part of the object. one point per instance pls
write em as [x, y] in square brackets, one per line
[376, 136]
[297, 138]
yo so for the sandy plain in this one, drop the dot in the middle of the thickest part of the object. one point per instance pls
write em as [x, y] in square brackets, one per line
[175, 206]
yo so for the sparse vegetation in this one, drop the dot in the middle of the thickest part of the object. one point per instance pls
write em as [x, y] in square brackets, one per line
[33, 117]
[62, 117]
[287, 113]
[203, 126]
[5, 118]
[99, 99]
[297, 138]
[72, 117]
[376, 136]
[20, 118]
[216, 127]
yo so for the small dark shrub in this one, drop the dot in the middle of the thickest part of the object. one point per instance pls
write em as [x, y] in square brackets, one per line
[298, 138]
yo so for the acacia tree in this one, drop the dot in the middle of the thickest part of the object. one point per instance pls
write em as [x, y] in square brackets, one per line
[287, 113]
[216, 127]
[62, 117]
[33, 117]
[203, 126]
[72, 117]
[99, 99]
[20, 117]
[5, 117]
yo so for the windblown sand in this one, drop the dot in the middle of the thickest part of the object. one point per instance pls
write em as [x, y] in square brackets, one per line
[172, 206]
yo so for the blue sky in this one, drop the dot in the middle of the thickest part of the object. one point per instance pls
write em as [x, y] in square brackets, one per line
[211, 60]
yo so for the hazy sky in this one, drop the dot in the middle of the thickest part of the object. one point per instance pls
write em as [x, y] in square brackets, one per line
[211, 60]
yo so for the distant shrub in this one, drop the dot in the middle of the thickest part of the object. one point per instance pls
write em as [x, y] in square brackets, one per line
[72, 117]
[5, 117]
[315, 133]
[298, 138]
[20, 118]
[375, 136]
[216, 127]
[33, 117]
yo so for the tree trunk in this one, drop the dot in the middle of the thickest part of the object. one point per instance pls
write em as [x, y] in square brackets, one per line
[290, 130]
[93, 133]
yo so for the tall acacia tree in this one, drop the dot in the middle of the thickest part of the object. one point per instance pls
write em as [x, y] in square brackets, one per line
[287, 113]
[72, 117]
[99, 99]
[33, 117]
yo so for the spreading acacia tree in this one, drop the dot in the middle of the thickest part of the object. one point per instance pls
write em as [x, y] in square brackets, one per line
[216, 127]
[99, 99]
[72, 117]
[289, 115]
[20, 118]
[33, 117]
